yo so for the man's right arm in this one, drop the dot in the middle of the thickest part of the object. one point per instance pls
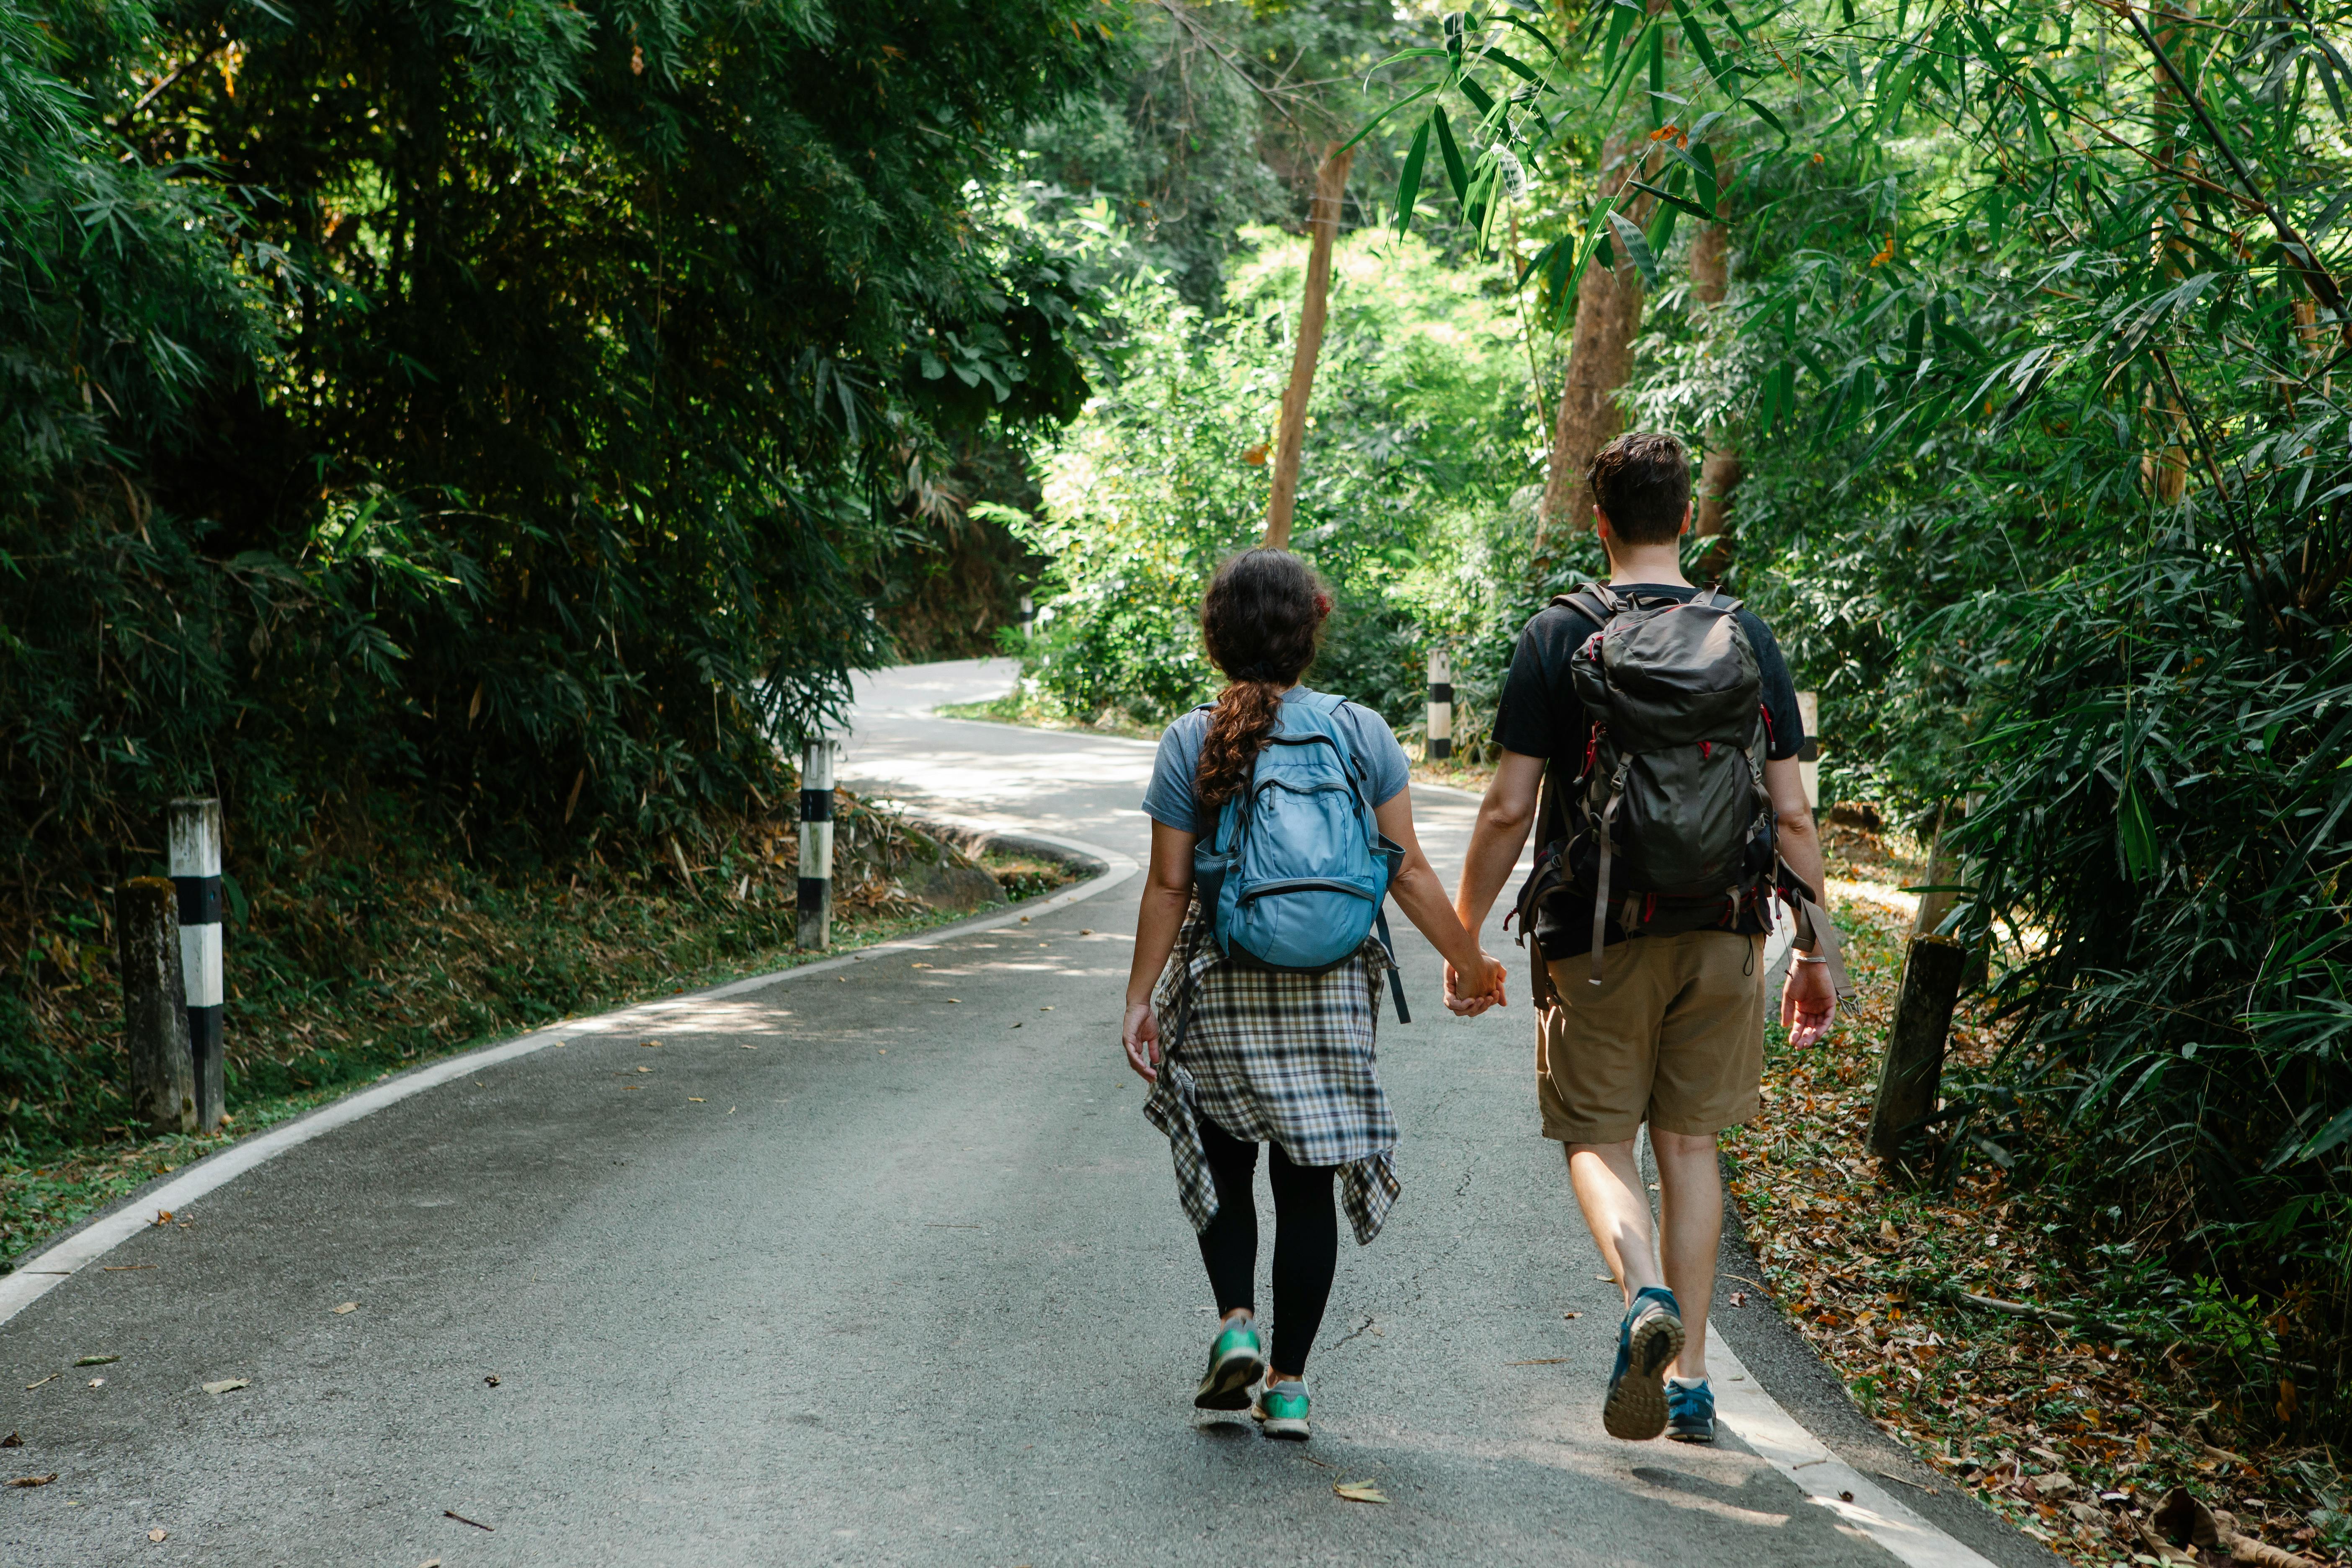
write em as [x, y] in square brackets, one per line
[1504, 818]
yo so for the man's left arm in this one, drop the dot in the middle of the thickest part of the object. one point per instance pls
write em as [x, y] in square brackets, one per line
[1808, 1001]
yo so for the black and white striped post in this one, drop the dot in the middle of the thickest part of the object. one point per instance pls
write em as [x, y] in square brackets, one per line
[1809, 761]
[1441, 706]
[194, 835]
[814, 930]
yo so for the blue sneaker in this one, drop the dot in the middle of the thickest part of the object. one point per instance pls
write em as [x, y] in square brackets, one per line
[1690, 1410]
[1647, 1344]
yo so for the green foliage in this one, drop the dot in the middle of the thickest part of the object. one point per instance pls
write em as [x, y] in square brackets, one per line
[2030, 353]
[1419, 433]
[507, 410]
[1211, 121]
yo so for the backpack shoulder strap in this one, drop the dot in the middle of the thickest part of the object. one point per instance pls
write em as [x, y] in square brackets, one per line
[1323, 703]
[1595, 600]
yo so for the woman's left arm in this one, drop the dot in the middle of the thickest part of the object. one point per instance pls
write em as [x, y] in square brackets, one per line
[1167, 893]
[1421, 897]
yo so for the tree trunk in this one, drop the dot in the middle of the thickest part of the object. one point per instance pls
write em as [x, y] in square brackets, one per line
[1719, 474]
[1322, 223]
[1600, 358]
[2164, 468]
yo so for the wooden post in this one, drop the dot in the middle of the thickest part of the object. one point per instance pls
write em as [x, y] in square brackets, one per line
[814, 931]
[1943, 870]
[193, 832]
[1441, 706]
[154, 1005]
[1911, 1074]
[1322, 223]
[1808, 760]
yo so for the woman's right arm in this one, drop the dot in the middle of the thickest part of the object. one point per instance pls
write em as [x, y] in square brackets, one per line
[1167, 893]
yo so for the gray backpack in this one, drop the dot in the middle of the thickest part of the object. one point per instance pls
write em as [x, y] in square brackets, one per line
[1669, 826]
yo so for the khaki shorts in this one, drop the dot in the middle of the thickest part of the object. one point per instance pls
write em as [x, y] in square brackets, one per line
[1674, 1035]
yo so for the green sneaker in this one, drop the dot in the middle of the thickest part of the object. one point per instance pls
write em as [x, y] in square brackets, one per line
[1236, 1361]
[1280, 1409]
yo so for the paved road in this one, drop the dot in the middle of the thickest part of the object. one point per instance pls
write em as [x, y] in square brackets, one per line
[875, 1267]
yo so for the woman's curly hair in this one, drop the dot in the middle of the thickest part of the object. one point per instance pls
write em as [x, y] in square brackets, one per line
[1261, 618]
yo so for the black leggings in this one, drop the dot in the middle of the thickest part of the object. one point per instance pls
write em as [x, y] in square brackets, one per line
[1306, 1240]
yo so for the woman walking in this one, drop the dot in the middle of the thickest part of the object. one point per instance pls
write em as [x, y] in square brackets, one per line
[1239, 1053]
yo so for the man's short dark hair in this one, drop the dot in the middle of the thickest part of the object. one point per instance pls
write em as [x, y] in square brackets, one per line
[1640, 482]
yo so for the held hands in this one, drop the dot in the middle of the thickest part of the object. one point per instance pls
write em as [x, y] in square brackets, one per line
[1139, 1033]
[1807, 1002]
[1484, 990]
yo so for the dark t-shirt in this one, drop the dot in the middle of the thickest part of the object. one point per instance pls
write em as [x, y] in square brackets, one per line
[1540, 716]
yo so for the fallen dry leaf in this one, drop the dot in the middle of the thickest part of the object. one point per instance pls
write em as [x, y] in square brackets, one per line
[98, 1383]
[696, 1100]
[492, 1380]
[97, 1361]
[51, 1378]
[34, 1481]
[1740, 1297]
[461, 1518]
[1088, 931]
[1360, 1491]
[644, 1070]
[163, 1216]
[159, 1534]
[12, 1441]
[1845, 1496]
[1886, 1231]
[346, 1307]
[228, 1385]
[1572, 1317]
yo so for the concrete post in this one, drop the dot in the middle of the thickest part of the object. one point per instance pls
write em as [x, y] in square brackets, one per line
[1809, 761]
[194, 835]
[814, 930]
[1441, 706]
[154, 1005]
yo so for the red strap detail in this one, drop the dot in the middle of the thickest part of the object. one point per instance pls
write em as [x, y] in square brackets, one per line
[1705, 749]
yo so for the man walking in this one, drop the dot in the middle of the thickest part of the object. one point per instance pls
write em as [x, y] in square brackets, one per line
[1665, 1023]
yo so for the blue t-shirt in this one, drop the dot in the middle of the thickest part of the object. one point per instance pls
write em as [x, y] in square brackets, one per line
[1378, 760]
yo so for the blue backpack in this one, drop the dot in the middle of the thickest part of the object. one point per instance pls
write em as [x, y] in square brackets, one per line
[1296, 872]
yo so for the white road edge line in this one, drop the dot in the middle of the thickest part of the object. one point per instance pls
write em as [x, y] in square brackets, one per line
[1783, 1443]
[44, 1272]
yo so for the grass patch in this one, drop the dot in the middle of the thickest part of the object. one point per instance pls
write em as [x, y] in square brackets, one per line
[1019, 707]
[347, 970]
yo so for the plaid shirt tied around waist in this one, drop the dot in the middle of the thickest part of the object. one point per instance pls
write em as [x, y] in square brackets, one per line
[1274, 1057]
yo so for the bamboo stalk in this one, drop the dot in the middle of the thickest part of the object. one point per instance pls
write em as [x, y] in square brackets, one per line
[1322, 223]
